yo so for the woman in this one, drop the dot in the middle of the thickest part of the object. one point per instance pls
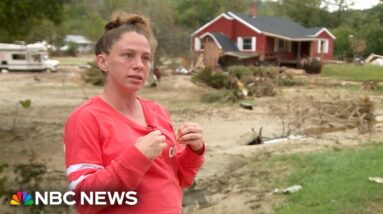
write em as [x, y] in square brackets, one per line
[121, 142]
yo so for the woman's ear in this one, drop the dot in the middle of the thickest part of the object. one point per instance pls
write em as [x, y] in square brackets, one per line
[101, 62]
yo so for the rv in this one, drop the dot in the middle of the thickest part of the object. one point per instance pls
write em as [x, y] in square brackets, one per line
[22, 57]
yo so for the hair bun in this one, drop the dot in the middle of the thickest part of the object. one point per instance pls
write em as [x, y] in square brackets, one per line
[120, 18]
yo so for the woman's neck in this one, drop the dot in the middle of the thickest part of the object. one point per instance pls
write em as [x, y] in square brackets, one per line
[125, 103]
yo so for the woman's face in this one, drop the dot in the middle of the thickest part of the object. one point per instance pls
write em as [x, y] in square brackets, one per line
[127, 64]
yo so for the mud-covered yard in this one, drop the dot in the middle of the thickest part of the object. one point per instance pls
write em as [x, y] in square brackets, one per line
[230, 178]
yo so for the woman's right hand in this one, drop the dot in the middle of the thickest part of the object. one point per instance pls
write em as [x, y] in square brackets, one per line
[152, 144]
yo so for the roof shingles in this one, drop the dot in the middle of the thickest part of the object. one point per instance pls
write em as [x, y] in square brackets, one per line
[278, 26]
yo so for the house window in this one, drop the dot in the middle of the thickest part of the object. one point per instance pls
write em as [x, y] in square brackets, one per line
[282, 45]
[18, 56]
[323, 46]
[247, 44]
[197, 44]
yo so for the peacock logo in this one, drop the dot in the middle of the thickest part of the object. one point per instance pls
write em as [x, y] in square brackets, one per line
[21, 198]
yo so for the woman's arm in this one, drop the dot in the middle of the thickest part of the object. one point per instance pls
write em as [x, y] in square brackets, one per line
[188, 164]
[86, 170]
[190, 157]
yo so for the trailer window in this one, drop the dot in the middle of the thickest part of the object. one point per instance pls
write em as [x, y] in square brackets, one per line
[36, 57]
[18, 56]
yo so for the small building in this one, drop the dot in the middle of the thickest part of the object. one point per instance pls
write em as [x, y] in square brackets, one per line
[260, 38]
[84, 45]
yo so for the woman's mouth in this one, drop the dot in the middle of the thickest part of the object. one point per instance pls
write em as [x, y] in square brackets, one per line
[135, 77]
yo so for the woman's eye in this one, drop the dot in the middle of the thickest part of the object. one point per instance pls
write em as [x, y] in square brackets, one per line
[146, 58]
[128, 55]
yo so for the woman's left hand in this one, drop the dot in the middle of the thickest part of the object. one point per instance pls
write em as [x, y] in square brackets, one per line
[191, 134]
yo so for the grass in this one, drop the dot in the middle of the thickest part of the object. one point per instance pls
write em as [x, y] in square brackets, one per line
[358, 89]
[353, 72]
[82, 59]
[334, 181]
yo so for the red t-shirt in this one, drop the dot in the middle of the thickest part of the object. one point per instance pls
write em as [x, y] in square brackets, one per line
[100, 155]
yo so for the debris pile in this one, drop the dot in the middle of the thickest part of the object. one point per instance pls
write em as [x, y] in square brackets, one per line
[247, 80]
[311, 116]
[370, 85]
[350, 113]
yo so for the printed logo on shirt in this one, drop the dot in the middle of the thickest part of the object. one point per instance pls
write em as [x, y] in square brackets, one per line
[172, 151]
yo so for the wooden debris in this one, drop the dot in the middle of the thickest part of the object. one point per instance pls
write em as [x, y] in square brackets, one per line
[247, 106]
[258, 139]
[370, 85]
[314, 117]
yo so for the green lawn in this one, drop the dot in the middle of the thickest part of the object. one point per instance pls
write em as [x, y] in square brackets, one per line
[353, 72]
[333, 181]
[83, 59]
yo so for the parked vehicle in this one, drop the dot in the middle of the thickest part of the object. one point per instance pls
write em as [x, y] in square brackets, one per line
[26, 57]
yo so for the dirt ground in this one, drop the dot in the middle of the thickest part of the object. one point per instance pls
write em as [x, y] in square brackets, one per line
[228, 178]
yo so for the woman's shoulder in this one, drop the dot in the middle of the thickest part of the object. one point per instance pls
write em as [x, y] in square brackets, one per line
[86, 110]
[152, 104]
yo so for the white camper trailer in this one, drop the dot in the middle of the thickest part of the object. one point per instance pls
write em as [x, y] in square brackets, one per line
[31, 57]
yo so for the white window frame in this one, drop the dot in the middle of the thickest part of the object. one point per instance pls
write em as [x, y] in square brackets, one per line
[253, 44]
[323, 46]
[197, 44]
[240, 43]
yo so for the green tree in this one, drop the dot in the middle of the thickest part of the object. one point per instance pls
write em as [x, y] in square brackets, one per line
[196, 13]
[342, 47]
[17, 18]
[305, 12]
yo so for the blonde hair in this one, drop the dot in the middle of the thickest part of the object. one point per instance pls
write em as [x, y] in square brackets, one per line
[120, 23]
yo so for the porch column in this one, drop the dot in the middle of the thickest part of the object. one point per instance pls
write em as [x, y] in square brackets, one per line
[299, 50]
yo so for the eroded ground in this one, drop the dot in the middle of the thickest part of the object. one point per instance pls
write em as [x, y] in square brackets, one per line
[229, 177]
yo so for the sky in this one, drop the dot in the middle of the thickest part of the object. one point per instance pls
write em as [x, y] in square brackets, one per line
[364, 4]
[357, 4]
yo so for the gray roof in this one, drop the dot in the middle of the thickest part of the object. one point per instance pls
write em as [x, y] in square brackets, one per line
[279, 26]
[224, 42]
[78, 39]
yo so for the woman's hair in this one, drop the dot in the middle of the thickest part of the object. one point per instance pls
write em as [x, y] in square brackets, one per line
[120, 23]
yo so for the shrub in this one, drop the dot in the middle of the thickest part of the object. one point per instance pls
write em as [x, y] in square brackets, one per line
[312, 65]
[216, 80]
[72, 49]
[289, 82]
[239, 70]
[94, 75]
[224, 96]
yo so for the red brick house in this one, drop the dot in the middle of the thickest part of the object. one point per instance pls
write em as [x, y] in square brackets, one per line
[263, 38]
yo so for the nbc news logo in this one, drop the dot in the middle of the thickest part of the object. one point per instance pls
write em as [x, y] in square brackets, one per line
[21, 198]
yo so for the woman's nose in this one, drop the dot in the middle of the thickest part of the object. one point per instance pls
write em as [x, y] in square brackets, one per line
[138, 62]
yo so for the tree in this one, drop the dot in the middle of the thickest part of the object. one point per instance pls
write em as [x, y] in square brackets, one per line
[339, 7]
[17, 18]
[342, 45]
[194, 14]
[306, 12]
